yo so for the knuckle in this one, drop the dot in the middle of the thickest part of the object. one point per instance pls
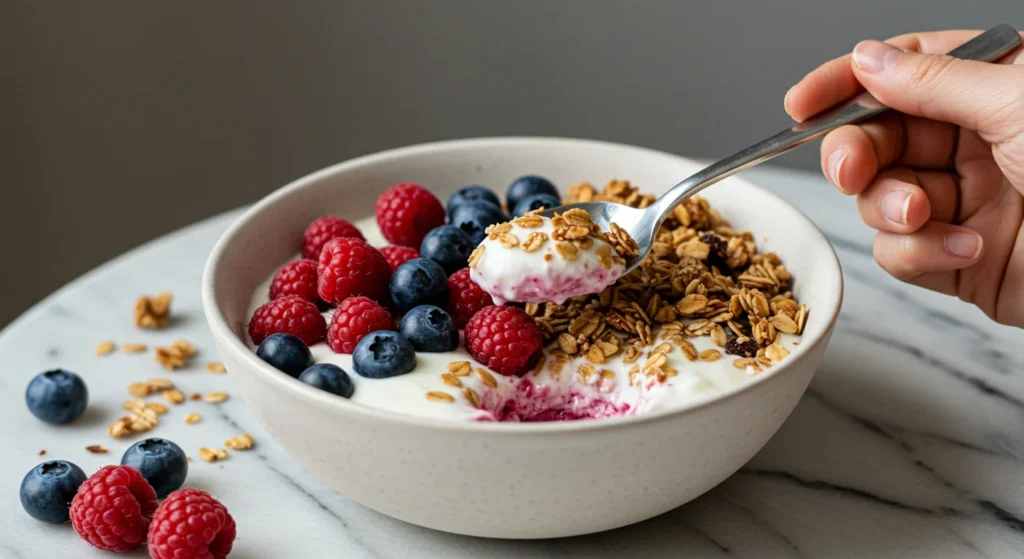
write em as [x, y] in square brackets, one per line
[932, 69]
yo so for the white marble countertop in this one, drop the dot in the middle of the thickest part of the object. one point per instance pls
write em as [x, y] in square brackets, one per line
[909, 442]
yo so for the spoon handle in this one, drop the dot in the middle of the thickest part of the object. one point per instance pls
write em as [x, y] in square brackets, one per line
[987, 47]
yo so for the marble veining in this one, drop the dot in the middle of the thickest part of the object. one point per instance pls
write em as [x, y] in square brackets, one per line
[909, 442]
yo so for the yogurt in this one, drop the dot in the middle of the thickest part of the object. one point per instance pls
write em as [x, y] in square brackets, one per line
[453, 386]
[531, 260]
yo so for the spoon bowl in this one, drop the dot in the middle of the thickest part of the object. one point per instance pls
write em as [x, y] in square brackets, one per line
[626, 217]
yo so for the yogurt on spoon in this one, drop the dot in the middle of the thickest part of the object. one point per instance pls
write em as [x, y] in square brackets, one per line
[535, 259]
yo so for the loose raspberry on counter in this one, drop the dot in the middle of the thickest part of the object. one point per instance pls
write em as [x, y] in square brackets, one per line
[406, 212]
[191, 524]
[113, 508]
[289, 315]
[323, 230]
[353, 320]
[504, 339]
[350, 268]
[296, 278]
[465, 297]
[398, 255]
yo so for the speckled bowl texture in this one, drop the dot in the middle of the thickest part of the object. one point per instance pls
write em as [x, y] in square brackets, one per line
[536, 480]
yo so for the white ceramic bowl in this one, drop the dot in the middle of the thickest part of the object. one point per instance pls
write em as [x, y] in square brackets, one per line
[535, 480]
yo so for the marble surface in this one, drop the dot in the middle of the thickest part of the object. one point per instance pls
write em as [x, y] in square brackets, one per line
[909, 442]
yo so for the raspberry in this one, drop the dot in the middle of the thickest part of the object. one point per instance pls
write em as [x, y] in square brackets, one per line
[289, 315]
[323, 230]
[113, 508]
[398, 255]
[191, 524]
[349, 268]
[406, 212]
[296, 278]
[504, 339]
[465, 297]
[355, 318]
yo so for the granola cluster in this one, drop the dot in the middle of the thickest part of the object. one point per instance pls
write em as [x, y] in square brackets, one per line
[153, 312]
[142, 415]
[176, 355]
[572, 232]
[701, 278]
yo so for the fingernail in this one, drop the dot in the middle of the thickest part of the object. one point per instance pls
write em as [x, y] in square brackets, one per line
[963, 245]
[874, 56]
[835, 163]
[894, 206]
[785, 100]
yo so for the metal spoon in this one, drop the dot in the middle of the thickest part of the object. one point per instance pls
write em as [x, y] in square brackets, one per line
[643, 224]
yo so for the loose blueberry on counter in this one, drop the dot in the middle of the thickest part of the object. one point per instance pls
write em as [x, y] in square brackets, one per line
[430, 329]
[384, 354]
[420, 281]
[471, 193]
[161, 462]
[286, 353]
[47, 490]
[524, 186]
[535, 202]
[57, 396]
[475, 217]
[330, 378]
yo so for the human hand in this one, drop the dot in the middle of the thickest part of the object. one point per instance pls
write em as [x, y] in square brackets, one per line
[942, 180]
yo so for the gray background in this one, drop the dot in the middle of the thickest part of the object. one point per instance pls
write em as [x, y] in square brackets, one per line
[123, 120]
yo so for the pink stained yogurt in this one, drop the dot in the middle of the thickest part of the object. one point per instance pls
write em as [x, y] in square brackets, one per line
[531, 402]
[523, 274]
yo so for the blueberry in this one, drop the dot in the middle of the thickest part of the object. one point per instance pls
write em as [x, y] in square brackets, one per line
[529, 184]
[474, 218]
[419, 281]
[330, 378]
[47, 490]
[536, 201]
[57, 396]
[286, 353]
[471, 193]
[430, 329]
[449, 246]
[161, 462]
[383, 354]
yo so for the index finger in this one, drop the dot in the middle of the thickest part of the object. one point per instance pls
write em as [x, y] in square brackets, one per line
[834, 81]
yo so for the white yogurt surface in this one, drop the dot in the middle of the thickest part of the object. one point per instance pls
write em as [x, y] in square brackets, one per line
[542, 275]
[406, 394]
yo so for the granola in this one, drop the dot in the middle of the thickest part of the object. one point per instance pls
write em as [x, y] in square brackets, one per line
[212, 454]
[241, 442]
[175, 356]
[702, 278]
[153, 312]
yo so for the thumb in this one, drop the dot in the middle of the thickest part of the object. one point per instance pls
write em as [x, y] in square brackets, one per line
[977, 95]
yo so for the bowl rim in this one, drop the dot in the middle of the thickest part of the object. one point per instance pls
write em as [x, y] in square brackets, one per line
[229, 342]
